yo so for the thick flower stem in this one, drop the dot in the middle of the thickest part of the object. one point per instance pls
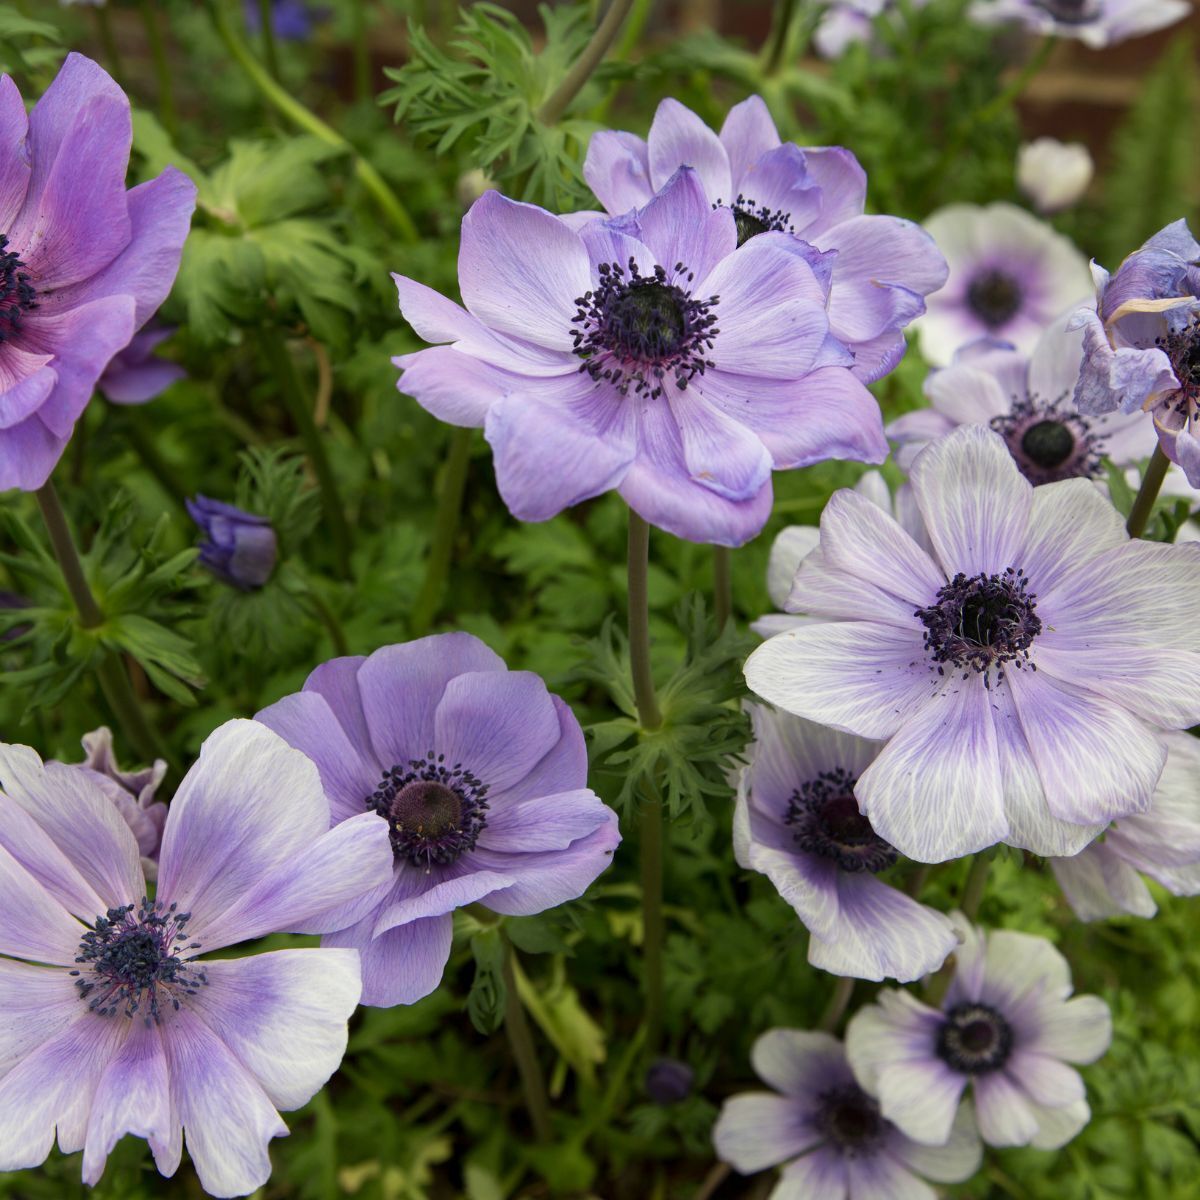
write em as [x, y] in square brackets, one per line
[581, 69]
[722, 585]
[785, 12]
[162, 68]
[362, 54]
[329, 619]
[266, 18]
[521, 1042]
[838, 1003]
[975, 886]
[445, 530]
[648, 713]
[287, 104]
[1143, 504]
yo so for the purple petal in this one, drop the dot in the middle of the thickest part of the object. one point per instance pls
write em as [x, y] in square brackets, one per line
[820, 590]
[680, 226]
[337, 681]
[1126, 378]
[563, 769]
[140, 384]
[748, 134]
[842, 180]
[1098, 884]
[26, 384]
[721, 454]
[617, 169]
[820, 1175]
[548, 822]
[1070, 522]
[29, 452]
[417, 893]
[1003, 1112]
[33, 924]
[678, 138]
[799, 1063]
[1044, 1078]
[14, 152]
[38, 1004]
[402, 965]
[455, 387]
[759, 1130]
[878, 1176]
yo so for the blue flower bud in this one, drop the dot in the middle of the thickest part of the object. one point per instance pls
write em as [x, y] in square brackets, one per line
[238, 547]
[668, 1081]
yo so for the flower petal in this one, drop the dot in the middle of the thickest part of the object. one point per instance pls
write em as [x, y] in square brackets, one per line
[747, 134]
[759, 1130]
[38, 1004]
[402, 965]
[14, 155]
[1003, 1112]
[33, 924]
[678, 138]
[680, 225]
[799, 1062]
[617, 169]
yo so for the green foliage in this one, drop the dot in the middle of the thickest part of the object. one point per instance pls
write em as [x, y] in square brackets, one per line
[486, 999]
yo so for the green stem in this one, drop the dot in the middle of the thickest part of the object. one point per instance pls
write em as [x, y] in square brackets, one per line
[287, 104]
[111, 53]
[975, 886]
[521, 1042]
[266, 21]
[362, 54]
[785, 13]
[1143, 504]
[589, 59]
[162, 69]
[1033, 64]
[722, 585]
[445, 531]
[649, 716]
[838, 1003]
[280, 362]
[650, 823]
[329, 619]
[631, 35]
[166, 476]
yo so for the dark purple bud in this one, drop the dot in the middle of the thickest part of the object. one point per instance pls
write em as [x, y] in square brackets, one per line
[668, 1081]
[12, 600]
[238, 547]
[291, 20]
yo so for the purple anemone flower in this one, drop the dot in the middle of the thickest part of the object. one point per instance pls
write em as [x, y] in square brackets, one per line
[797, 822]
[1105, 879]
[1008, 1026]
[83, 262]
[110, 1021]
[1141, 343]
[1011, 275]
[481, 776]
[1095, 23]
[137, 374]
[829, 1135]
[881, 268]
[1020, 672]
[238, 547]
[649, 354]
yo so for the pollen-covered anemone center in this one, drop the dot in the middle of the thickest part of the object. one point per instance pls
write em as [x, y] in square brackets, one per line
[635, 330]
[974, 1039]
[994, 297]
[1071, 12]
[752, 218]
[1049, 442]
[1182, 347]
[850, 1120]
[17, 296]
[133, 961]
[435, 813]
[981, 622]
[825, 816]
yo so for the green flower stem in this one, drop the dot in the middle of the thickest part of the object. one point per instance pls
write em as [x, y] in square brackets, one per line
[777, 44]
[975, 886]
[287, 104]
[1016, 88]
[648, 713]
[722, 585]
[279, 361]
[266, 19]
[162, 68]
[589, 59]
[445, 531]
[111, 53]
[329, 619]
[143, 445]
[1143, 504]
[838, 1003]
[63, 544]
[362, 54]
[520, 1041]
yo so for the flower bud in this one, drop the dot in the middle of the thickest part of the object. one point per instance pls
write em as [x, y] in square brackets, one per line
[1053, 174]
[668, 1081]
[238, 547]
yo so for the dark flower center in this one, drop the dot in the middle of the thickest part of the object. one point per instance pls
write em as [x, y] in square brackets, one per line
[1071, 12]
[974, 1039]
[994, 297]
[133, 961]
[850, 1120]
[635, 330]
[1182, 347]
[981, 622]
[752, 218]
[17, 296]
[827, 822]
[1049, 442]
[435, 813]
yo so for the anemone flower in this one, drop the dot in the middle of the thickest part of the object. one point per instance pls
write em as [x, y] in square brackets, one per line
[481, 777]
[649, 354]
[1095, 23]
[83, 262]
[1011, 275]
[112, 1022]
[1007, 1028]
[829, 1135]
[1020, 672]
[238, 546]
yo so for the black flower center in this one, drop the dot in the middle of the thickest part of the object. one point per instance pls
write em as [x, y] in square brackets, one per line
[1049, 442]
[980, 622]
[974, 1039]
[827, 822]
[1071, 12]
[850, 1120]
[17, 296]
[133, 961]
[1182, 347]
[635, 330]
[752, 218]
[994, 297]
[435, 813]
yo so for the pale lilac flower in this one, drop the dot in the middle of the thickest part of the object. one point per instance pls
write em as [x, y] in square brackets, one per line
[1105, 879]
[1007, 1027]
[83, 263]
[110, 1023]
[1020, 672]
[481, 776]
[1095, 23]
[238, 546]
[1010, 276]
[648, 354]
[880, 267]
[829, 1135]
[797, 822]
[137, 374]
[1054, 174]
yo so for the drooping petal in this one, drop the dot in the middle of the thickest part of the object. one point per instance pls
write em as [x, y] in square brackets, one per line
[721, 454]
[549, 822]
[1098, 884]
[842, 180]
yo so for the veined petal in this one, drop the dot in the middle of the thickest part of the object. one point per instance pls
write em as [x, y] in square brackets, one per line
[680, 225]
[617, 169]
[402, 965]
[747, 134]
[14, 159]
[759, 1130]
[678, 138]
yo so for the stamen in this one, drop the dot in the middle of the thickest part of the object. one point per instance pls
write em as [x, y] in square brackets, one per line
[752, 218]
[17, 296]
[974, 1039]
[1182, 347]
[1071, 12]
[1050, 442]
[850, 1120]
[994, 297]
[827, 821]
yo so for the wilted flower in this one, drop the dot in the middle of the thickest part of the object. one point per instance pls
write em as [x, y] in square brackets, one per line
[648, 354]
[797, 822]
[83, 263]
[880, 268]
[481, 776]
[669, 1081]
[1021, 670]
[1010, 276]
[112, 1024]
[1095, 23]
[238, 547]
[1141, 344]
[1053, 174]
[830, 1136]
[1105, 879]
[1008, 1026]
[137, 374]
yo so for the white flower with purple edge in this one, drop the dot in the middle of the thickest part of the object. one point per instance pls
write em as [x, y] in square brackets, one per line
[481, 776]
[827, 1133]
[881, 267]
[797, 822]
[1095, 23]
[112, 1024]
[1007, 1027]
[1020, 673]
[1010, 276]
